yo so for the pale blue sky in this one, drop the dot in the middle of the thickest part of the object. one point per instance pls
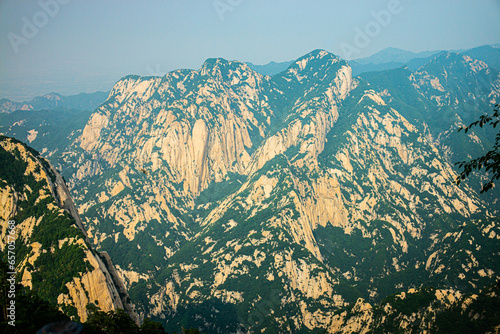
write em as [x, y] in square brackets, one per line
[87, 45]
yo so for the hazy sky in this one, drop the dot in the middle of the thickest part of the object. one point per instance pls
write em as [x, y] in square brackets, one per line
[72, 46]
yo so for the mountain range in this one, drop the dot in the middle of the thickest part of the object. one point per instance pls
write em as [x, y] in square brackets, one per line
[309, 200]
[82, 101]
[392, 58]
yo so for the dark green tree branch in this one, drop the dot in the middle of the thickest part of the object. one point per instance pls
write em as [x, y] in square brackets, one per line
[490, 162]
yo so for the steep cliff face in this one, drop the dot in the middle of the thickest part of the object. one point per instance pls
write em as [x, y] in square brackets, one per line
[51, 245]
[399, 194]
[375, 210]
[167, 139]
[198, 123]
[450, 91]
[233, 201]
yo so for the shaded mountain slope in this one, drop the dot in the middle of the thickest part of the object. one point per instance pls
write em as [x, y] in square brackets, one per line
[451, 91]
[53, 256]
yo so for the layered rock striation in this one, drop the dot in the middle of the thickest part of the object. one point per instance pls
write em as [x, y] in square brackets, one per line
[53, 255]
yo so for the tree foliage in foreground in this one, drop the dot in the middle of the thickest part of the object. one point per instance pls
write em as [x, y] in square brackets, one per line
[119, 322]
[490, 162]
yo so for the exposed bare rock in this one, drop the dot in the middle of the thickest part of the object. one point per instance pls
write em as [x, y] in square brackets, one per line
[39, 184]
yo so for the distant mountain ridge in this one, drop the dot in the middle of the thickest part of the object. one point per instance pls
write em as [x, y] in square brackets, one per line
[82, 101]
[270, 68]
[391, 58]
[394, 55]
[489, 54]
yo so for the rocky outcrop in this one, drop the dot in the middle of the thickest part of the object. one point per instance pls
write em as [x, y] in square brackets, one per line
[425, 310]
[37, 200]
